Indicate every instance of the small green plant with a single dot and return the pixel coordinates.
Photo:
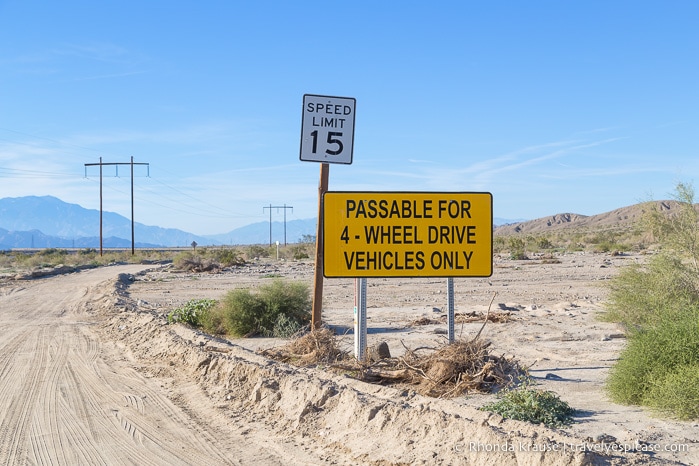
(537, 406)
(255, 250)
(192, 313)
(286, 327)
(544, 243)
(227, 257)
(301, 251)
(517, 247)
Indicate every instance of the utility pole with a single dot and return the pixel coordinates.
(270, 207)
(116, 164)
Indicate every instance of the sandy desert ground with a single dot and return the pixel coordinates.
(91, 373)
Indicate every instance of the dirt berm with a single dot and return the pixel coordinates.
(349, 421)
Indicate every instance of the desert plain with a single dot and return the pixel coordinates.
(92, 373)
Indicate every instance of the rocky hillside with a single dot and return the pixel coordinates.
(620, 218)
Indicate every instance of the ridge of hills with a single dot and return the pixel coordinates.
(623, 217)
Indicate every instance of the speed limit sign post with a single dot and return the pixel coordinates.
(327, 136)
(327, 129)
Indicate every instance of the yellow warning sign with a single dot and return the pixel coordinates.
(401, 234)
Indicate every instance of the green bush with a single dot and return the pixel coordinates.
(286, 327)
(531, 405)
(652, 355)
(206, 259)
(227, 257)
(659, 303)
(192, 313)
(256, 250)
(246, 313)
(677, 393)
(644, 295)
(301, 251)
(517, 247)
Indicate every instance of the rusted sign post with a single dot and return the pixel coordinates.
(316, 315)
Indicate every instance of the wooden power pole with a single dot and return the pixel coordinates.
(131, 163)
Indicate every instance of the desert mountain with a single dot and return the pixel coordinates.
(624, 217)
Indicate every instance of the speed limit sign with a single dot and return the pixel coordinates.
(327, 129)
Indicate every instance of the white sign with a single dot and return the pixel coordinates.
(327, 129)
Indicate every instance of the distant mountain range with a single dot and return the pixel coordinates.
(46, 221)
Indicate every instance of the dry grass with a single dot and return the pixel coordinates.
(312, 348)
(450, 371)
(467, 317)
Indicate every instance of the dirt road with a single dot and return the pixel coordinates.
(68, 398)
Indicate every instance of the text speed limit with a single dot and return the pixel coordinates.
(327, 129)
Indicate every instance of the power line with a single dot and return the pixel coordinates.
(18, 172)
(270, 219)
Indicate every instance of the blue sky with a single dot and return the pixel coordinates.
(551, 106)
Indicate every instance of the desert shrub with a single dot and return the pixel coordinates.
(302, 251)
(255, 250)
(52, 252)
(677, 232)
(227, 257)
(544, 243)
(677, 393)
(659, 302)
(643, 295)
(499, 244)
(212, 321)
(248, 313)
(187, 260)
(531, 405)
(193, 312)
(652, 355)
(286, 327)
(199, 261)
(517, 247)
(308, 239)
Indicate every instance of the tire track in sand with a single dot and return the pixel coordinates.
(64, 398)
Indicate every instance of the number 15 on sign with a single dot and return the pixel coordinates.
(327, 129)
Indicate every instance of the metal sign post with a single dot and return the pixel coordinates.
(450, 309)
(360, 328)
